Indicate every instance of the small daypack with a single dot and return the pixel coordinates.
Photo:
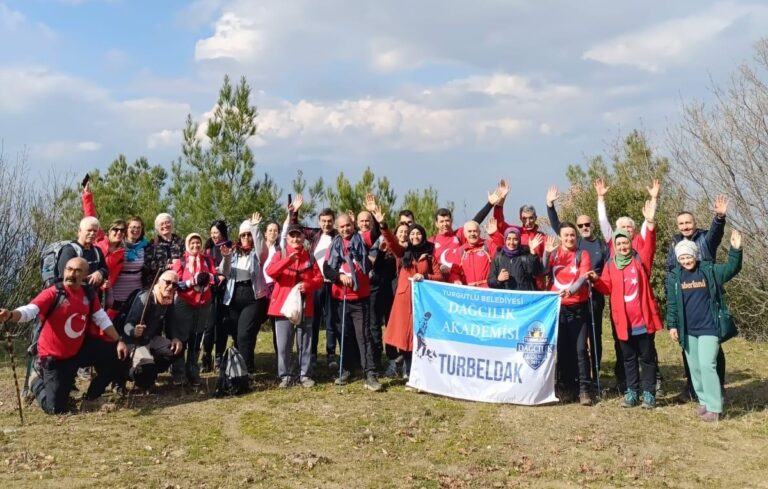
(233, 375)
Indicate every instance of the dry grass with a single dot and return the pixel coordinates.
(330, 437)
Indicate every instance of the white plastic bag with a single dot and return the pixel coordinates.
(293, 307)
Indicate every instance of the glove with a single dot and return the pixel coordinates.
(202, 278)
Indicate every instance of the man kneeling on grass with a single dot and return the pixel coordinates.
(149, 317)
(66, 310)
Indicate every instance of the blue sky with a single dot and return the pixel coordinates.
(447, 93)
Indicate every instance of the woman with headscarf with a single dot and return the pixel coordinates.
(415, 261)
(246, 292)
(634, 313)
(698, 318)
(515, 266)
(163, 249)
(197, 274)
(216, 332)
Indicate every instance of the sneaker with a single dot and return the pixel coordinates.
(649, 400)
(195, 381)
(84, 374)
(342, 380)
(333, 364)
(391, 370)
(372, 383)
(307, 382)
(178, 380)
(585, 399)
(701, 410)
(710, 417)
(285, 382)
(630, 399)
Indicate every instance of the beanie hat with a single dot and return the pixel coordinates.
(245, 227)
(686, 247)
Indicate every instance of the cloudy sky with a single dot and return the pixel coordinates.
(448, 93)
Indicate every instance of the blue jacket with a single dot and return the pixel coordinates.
(707, 241)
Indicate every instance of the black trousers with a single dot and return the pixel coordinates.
(640, 363)
(356, 316)
(52, 389)
(247, 313)
(381, 300)
(219, 329)
(321, 318)
(598, 306)
(572, 358)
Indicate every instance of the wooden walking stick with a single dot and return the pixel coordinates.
(9, 345)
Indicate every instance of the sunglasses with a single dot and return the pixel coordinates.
(171, 283)
(118, 230)
(584, 225)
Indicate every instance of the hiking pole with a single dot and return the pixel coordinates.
(341, 381)
(594, 343)
(9, 345)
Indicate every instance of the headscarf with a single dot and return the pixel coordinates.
(413, 252)
(686, 247)
(517, 251)
(193, 262)
(622, 260)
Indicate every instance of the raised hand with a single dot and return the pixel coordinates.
(351, 214)
(87, 187)
(552, 195)
(601, 188)
(550, 244)
(649, 211)
(653, 190)
(370, 202)
(378, 215)
(502, 189)
(735, 240)
(295, 205)
(491, 226)
(721, 205)
(493, 198)
(535, 242)
(255, 219)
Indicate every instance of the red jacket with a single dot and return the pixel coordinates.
(525, 234)
(195, 296)
(288, 272)
(114, 258)
(611, 283)
(474, 262)
(445, 252)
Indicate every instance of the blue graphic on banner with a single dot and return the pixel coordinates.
(484, 344)
(484, 317)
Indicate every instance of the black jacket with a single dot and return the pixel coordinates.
(522, 271)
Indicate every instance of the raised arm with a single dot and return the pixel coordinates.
(554, 221)
(717, 228)
(602, 215)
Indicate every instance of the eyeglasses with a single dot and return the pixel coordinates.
(584, 225)
(118, 230)
(134, 228)
(170, 283)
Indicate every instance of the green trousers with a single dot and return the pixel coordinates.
(701, 353)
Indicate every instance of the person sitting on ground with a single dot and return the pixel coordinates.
(65, 311)
(147, 330)
(626, 279)
(698, 317)
(515, 267)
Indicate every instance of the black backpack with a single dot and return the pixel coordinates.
(233, 375)
(122, 314)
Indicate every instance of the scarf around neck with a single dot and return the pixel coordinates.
(622, 261)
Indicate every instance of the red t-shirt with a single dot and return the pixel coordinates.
(565, 273)
(632, 297)
(63, 333)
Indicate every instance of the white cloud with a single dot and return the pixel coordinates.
(10, 19)
(654, 48)
(235, 37)
(58, 151)
(166, 137)
(26, 86)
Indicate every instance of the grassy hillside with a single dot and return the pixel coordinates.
(330, 437)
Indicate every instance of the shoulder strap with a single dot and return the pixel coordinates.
(60, 294)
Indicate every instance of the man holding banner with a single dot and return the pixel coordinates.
(484, 344)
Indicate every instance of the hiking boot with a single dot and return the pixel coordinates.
(195, 380)
(391, 370)
(206, 363)
(178, 380)
(342, 380)
(306, 382)
(372, 383)
(649, 400)
(630, 399)
(710, 417)
(84, 373)
(686, 395)
(585, 399)
(333, 364)
(285, 382)
(701, 410)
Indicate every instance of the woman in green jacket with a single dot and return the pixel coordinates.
(699, 319)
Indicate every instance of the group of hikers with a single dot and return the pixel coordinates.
(133, 307)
